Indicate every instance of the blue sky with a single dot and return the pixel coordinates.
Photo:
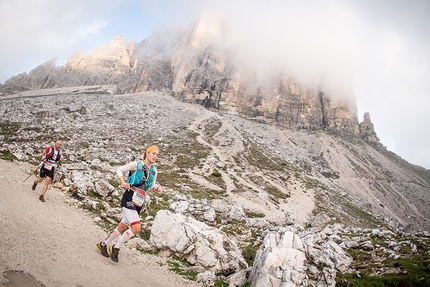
(378, 51)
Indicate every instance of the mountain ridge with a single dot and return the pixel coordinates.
(198, 67)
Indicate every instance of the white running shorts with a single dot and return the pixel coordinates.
(129, 216)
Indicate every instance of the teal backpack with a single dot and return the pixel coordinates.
(136, 178)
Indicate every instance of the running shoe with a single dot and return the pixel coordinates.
(103, 249)
(114, 253)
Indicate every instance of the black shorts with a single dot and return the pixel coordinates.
(44, 172)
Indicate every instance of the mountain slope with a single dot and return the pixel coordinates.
(267, 169)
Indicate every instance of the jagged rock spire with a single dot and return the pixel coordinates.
(367, 131)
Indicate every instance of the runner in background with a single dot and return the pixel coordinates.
(51, 158)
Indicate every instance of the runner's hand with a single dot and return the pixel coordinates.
(157, 188)
(126, 186)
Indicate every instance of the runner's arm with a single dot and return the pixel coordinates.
(120, 171)
(44, 153)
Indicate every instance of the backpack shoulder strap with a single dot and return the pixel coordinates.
(139, 165)
(152, 169)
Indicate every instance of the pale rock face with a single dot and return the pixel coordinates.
(207, 30)
(116, 56)
(367, 130)
(280, 261)
(207, 74)
(196, 242)
(200, 65)
(74, 60)
(284, 259)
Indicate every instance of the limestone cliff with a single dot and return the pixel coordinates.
(198, 65)
(367, 131)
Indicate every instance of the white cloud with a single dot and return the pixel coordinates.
(392, 84)
(33, 32)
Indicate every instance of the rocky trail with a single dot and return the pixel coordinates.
(54, 244)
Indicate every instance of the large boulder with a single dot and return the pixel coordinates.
(186, 238)
(280, 261)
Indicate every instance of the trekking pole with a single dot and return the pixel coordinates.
(39, 166)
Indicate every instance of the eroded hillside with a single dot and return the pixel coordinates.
(268, 170)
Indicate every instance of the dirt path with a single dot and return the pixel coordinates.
(55, 243)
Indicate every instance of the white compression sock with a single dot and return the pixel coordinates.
(124, 237)
(111, 237)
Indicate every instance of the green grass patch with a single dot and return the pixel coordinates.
(263, 160)
(9, 131)
(386, 280)
(157, 205)
(216, 173)
(275, 192)
(187, 151)
(6, 155)
(249, 253)
(114, 182)
(216, 179)
(311, 183)
(145, 234)
(411, 269)
(251, 214)
(181, 268)
(220, 283)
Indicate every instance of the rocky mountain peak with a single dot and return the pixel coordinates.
(205, 32)
(367, 131)
(118, 41)
(199, 65)
(210, 29)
